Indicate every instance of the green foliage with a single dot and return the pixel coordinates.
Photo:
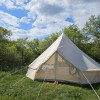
(73, 32)
(33, 47)
(44, 44)
(4, 33)
(92, 27)
(76, 36)
(4, 44)
(93, 50)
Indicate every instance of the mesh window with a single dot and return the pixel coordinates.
(47, 68)
(64, 71)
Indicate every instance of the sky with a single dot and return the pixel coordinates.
(40, 18)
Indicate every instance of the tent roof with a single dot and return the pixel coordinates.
(70, 52)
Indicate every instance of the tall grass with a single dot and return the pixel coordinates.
(27, 89)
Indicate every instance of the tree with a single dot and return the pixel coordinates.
(4, 34)
(76, 36)
(73, 32)
(44, 44)
(92, 27)
(33, 47)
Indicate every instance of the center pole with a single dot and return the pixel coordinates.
(55, 65)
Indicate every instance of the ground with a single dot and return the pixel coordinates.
(19, 87)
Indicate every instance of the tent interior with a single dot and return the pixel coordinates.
(56, 68)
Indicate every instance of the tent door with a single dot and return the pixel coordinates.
(65, 71)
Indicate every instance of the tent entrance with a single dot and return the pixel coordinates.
(58, 69)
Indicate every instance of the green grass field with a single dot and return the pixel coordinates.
(13, 89)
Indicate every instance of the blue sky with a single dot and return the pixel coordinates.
(40, 18)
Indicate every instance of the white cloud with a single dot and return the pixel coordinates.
(9, 19)
(17, 33)
(35, 32)
(21, 2)
(49, 10)
(46, 8)
(31, 34)
(25, 20)
(8, 3)
(84, 10)
(13, 4)
(50, 13)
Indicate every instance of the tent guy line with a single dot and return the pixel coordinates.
(18, 81)
(42, 85)
(14, 72)
(91, 86)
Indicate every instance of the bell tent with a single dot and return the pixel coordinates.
(64, 61)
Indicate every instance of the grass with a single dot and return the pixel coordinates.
(27, 89)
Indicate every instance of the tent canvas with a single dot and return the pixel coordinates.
(64, 61)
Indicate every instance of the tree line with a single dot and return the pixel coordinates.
(15, 54)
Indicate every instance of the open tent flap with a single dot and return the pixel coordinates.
(58, 68)
(47, 66)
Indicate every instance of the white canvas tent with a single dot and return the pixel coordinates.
(64, 61)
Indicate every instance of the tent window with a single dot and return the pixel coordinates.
(64, 70)
(47, 67)
(61, 62)
(66, 67)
